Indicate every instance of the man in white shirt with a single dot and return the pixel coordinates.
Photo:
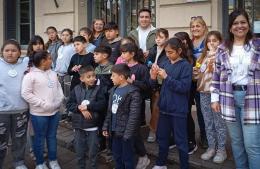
(144, 34)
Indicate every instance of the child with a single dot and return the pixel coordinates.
(88, 35)
(214, 124)
(139, 77)
(87, 102)
(42, 90)
(156, 56)
(53, 44)
(78, 60)
(176, 75)
(123, 117)
(13, 108)
(125, 40)
(112, 40)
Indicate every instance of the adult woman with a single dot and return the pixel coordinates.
(199, 30)
(98, 31)
(235, 90)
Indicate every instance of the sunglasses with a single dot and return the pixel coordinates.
(195, 17)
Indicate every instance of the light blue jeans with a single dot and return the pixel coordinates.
(245, 138)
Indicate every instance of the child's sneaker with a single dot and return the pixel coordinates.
(192, 147)
(54, 164)
(208, 154)
(21, 167)
(151, 138)
(220, 157)
(42, 166)
(159, 167)
(143, 162)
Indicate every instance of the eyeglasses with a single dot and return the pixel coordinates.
(195, 17)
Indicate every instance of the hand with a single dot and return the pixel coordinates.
(129, 80)
(87, 114)
(76, 68)
(162, 73)
(105, 133)
(215, 107)
(146, 54)
(82, 107)
(154, 71)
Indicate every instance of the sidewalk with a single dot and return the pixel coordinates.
(65, 135)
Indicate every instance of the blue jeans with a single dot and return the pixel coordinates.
(178, 126)
(86, 140)
(123, 153)
(45, 127)
(14, 125)
(245, 138)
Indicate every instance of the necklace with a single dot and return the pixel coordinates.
(12, 72)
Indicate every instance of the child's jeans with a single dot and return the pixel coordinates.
(86, 141)
(14, 125)
(123, 153)
(177, 125)
(45, 127)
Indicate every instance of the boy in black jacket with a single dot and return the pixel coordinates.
(87, 101)
(123, 117)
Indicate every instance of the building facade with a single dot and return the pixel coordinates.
(20, 19)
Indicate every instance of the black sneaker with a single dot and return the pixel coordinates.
(192, 147)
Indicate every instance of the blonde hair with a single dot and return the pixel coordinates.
(201, 21)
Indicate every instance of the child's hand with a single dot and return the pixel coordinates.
(75, 68)
(105, 133)
(162, 73)
(87, 114)
(129, 80)
(82, 107)
(154, 71)
(146, 53)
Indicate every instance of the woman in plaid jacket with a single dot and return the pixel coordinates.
(235, 90)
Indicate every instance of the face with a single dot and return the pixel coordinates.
(160, 39)
(127, 56)
(65, 37)
(213, 42)
(240, 27)
(99, 57)
(144, 20)
(80, 47)
(197, 29)
(88, 78)
(116, 78)
(85, 35)
(47, 62)
(171, 53)
(11, 53)
(37, 47)
(111, 34)
(52, 34)
(98, 26)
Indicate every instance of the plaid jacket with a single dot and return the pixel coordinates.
(222, 86)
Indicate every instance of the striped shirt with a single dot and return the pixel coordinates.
(222, 86)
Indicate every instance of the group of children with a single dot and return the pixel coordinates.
(111, 79)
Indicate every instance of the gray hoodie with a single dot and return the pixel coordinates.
(11, 101)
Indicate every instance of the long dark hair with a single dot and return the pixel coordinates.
(175, 44)
(70, 32)
(49, 41)
(232, 17)
(132, 47)
(188, 45)
(39, 56)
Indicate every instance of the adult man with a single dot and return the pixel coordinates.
(144, 34)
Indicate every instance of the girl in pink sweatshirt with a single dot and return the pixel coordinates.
(42, 90)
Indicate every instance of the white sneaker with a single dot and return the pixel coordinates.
(42, 166)
(220, 157)
(208, 154)
(54, 164)
(21, 167)
(143, 162)
(151, 137)
(159, 167)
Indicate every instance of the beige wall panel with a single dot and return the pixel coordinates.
(64, 6)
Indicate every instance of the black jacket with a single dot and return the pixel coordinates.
(152, 55)
(96, 107)
(128, 114)
(115, 46)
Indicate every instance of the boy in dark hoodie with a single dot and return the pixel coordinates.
(123, 117)
(87, 101)
(113, 40)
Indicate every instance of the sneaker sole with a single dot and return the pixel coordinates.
(195, 149)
